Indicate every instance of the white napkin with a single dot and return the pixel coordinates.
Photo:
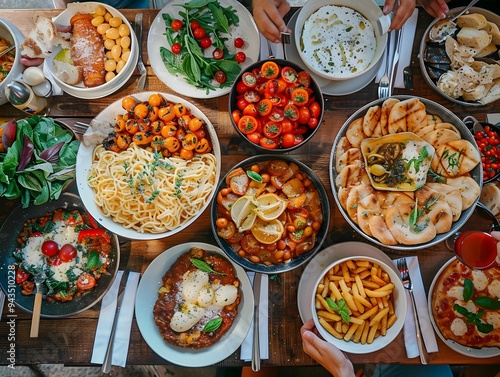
(276, 49)
(56, 89)
(410, 333)
(246, 347)
(106, 317)
(493, 118)
(407, 37)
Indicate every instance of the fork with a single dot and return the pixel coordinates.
(405, 276)
(141, 84)
(285, 40)
(383, 85)
(37, 306)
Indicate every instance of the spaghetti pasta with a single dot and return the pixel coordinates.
(144, 191)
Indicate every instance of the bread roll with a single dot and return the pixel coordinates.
(87, 50)
(492, 29)
(473, 20)
(488, 50)
(490, 197)
(42, 39)
(473, 38)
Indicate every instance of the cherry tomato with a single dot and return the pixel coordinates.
(249, 79)
(270, 70)
(54, 261)
(250, 244)
(67, 253)
(291, 112)
(254, 137)
(220, 77)
(218, 54)
(304, 78)
(227, 231)
(240, 57)
(241, 103)
(236, 115)
(176, 48)
(287, 125)
(50, 248)
(176, 25)
(241, 87)
(199, 33)
(313, 122)
(304, 115)
(272, 129)
(250, 110)
(205, 42)
(315, 109)
(252, 95)
(264, 107)
(298, 138)
(268, 143)
(287, 140)
(277, 114)
(289, 74)
(21, 275)
(194, 25)
(299, 96)
(238, 43)
(247, 124)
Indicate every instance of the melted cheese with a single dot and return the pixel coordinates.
(493, 318)
(458, 327)
(479, 279)
(469, 305)
(456, 292)
(338, 41)
(494, 288)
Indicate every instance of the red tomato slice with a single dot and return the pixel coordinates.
(268, 143)
(272, 129)
(247, 124)
(291, 112)
(289, 74)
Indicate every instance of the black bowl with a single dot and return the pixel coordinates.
(294, 262)
(469, 122)
(233, 96)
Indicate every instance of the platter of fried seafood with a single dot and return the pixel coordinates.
(405, 172)
(462, 63)
(143, 175)
(180, 307)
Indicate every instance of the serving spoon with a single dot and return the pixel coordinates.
(446, 27)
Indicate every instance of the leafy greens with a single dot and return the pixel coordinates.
(40, 163)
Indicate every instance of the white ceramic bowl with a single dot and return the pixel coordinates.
(119, 80)
(368, 8)
(14, 36)
(380, 341)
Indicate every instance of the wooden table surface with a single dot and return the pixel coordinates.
(70, 340)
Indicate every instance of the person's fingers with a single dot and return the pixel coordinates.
(388, 6)
(266, 26)
(403, 12)
(435, 8)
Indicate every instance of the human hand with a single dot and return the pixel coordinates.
(329, 356)
(268, 15)
(496, 235)
(403, 11)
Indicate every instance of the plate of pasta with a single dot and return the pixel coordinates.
(143, 181)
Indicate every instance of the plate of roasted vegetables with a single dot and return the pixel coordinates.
(198, 48)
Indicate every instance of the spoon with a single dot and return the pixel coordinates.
(444, 28)
(8, 50)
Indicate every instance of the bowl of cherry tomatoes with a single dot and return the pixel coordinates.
(276, 105)
(487, 137)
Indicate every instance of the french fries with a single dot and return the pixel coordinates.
(355, 301)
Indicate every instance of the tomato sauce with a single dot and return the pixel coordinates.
(476, 249)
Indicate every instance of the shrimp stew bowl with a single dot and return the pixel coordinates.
(270, 214)
(276, 105)
(405, 172)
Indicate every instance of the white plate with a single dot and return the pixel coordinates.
(156, 38)
(147, 294)
(325, 257)
(482, 353)
(105, 89)
(84, 162)
(329, 87)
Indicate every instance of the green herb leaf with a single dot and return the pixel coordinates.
(460, 310)
(201, 265)
(254, 176)
(413, 215)
(487, 303)
(213, 325)
(340, 307)
(93, 260)
(468, 289)
(484, 327)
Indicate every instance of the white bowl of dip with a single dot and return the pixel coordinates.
(339, 39)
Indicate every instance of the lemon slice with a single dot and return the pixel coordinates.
(242, 213)
(270, 206)
(267, 232)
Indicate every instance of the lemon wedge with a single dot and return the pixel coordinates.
(270, 206)
(267, 232)
(242, 212)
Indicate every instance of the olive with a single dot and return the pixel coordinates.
(375, 158)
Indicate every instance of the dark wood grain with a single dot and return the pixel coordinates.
(69, 341)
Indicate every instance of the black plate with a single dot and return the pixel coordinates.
(295, 262)
(9, 232)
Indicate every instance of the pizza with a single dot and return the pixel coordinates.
(198, 300)
(466, 307)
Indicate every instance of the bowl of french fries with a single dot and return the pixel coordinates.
(359, 304)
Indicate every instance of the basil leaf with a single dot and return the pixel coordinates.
(487, 303)
(460, 310)
(413, 216)
(468, 289)
(254, 176)
(93, 260)
(213, 325)
(201, 265)
(345, 317)
(332, 304)
(484, 327)
(340, 307)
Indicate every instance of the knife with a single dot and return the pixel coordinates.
(141, 84)
(257, 282)
(395, 60)
(106, 365)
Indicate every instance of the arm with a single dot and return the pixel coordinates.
(436, 8)
(329, 356)
(268, 15)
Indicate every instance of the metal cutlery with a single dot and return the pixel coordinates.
(395, 60)
(106, 365)
(141, 84)
(383, 85)
(37, 306)
(285, 40)
(408, 77)
(405, 276)
(9, 49)
(257, 282)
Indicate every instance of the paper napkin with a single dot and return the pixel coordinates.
(123, 327)
(407, 37)
(410, 333)
(493, 118)
(246, 347)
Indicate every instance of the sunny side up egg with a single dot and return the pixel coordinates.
(200, 301)
(338, 41)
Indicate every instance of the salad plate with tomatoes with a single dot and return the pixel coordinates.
(198, 48)
(276, 105)
(78, 257)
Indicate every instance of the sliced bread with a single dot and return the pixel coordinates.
(493, 30)
(474, 38)
(473, 20)
(42, 39)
